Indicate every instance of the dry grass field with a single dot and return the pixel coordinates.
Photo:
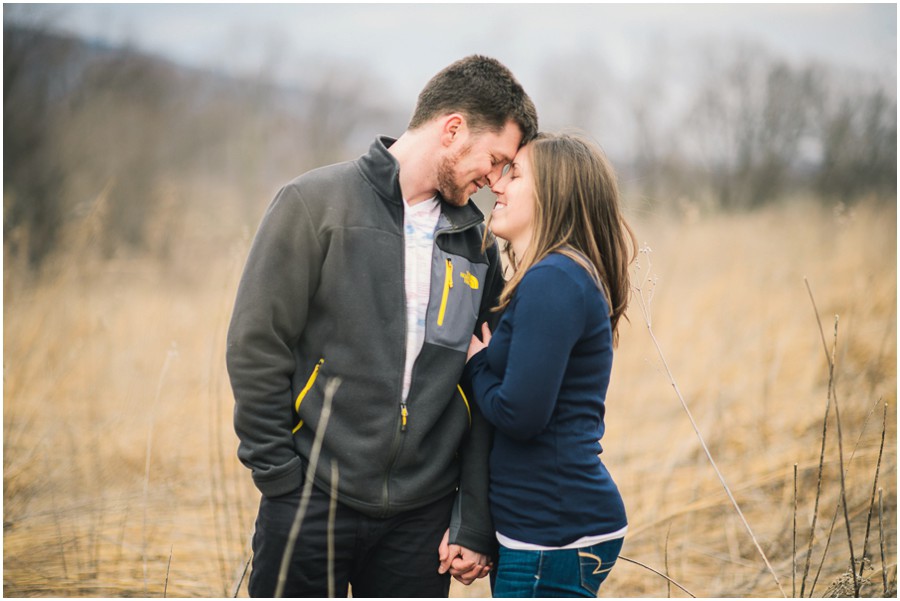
(119, 468)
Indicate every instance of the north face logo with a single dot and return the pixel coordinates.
(470, 280)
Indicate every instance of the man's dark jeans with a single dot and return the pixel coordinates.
(390, 557)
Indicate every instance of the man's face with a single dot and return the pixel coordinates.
(476, 160)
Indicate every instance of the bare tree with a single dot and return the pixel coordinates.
(33, 173)
(859, 145)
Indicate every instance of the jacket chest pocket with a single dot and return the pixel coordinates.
(457, 286)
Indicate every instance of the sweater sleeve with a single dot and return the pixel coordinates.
(270, 312)
(548, 318)
(470, 523)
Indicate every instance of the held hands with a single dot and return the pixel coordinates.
(476, 345)
(463, 564)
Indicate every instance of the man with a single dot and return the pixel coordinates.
(372, 271)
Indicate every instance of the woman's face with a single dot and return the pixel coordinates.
(513, 216)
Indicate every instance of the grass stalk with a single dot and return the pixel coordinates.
(840, 437)
(240, 580)
(330, 390)
(884, 578)
(218, 495)
(837, 507)
(658, 573)
(332, 514)
(815, 516)
(837, 414)
(168, 567)
(874, 490)
(59, 534)
(644, 304)
(159, 386)
(794, 541)
(668, 583)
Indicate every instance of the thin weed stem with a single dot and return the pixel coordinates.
(170, 356)
(794, 541)
(332, 514)
(837, 415)
(59, 534)
(837, 508)
(815, 517)
(658, 573)
(330, 390)
(874, 490)
(168, 567)
(884, 578)
(240, 581)
(668, 582)
(644, 298)
(837, 412)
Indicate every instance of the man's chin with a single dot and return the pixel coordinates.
(458, 201)
(457, 198)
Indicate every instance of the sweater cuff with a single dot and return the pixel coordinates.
(472, 364)
(480, 542)
(286, 481)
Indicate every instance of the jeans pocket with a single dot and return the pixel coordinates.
(595, 564)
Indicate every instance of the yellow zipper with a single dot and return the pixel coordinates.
(309, 384)
(448, 284)
(466, 401)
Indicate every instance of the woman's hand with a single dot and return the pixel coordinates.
(463, 564)
(476, 345)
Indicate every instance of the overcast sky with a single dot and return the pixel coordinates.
(404, 44)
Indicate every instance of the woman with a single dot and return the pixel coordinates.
(541, 378)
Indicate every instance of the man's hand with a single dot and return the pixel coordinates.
(463, 564)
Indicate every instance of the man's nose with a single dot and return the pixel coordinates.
(494, 176)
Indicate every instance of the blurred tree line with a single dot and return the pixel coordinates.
(92, 130)
(110, 132)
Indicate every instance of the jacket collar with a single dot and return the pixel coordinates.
(382, 171)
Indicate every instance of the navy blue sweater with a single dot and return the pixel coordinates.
(542, 383)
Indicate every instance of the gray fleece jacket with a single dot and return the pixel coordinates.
(322, 296)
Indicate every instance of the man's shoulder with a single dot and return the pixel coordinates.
(327, 175)
(324, 185)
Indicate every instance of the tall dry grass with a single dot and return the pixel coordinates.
(120, 476)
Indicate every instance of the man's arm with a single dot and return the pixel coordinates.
(471, 528)
(269, 314)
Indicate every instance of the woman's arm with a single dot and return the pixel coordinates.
(549, 317)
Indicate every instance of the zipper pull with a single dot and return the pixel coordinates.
(403, 415)
(449, 276)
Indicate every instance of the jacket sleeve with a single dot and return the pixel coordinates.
(470, 523)
(270, 312)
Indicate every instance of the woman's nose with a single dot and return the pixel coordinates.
(499, 185)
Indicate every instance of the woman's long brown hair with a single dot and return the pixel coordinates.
(577, 214)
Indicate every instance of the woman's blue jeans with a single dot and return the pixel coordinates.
(557, 573)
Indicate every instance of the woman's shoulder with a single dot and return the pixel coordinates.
(556, 274)
(557, 265)
(565, 277)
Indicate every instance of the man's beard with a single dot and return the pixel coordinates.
(446, 179)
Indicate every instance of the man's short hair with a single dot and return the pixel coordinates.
(483, 90)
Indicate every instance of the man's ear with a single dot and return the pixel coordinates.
(452, 126)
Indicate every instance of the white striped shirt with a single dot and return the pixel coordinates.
(419, 223)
